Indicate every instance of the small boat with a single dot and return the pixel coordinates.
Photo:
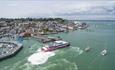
(104, 52)
(87, 49)
(56, 45)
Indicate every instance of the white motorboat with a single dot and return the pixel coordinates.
(104, 52)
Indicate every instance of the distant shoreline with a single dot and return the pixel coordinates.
(92, 20)
(61, 18)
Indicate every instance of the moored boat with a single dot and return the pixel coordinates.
(87, 49)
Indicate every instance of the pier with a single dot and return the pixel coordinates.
(45, 39)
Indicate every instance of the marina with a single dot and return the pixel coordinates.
(9, 46)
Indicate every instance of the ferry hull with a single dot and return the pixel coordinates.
(52, 48)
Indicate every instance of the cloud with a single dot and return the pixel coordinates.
(60, 8)
(95, 10)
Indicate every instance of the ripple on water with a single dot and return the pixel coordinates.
(61, 64)
(77, 50)
(70, 50)
(14, 66)
(31, 49)
(27, 66)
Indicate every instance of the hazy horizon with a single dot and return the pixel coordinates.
(71, 9)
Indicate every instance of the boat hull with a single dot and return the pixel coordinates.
(52, 48)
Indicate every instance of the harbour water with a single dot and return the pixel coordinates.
(98, 36)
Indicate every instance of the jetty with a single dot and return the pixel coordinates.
(45, 39)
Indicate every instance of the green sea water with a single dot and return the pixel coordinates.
(99, 35)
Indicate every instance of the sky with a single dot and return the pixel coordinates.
(68, 9)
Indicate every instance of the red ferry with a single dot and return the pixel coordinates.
(56, 45)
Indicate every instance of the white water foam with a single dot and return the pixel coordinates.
(40, 57)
